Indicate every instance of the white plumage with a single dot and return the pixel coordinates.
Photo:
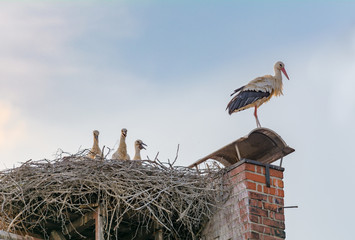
(121, 152)
(95, 151)
(138, 146)
(258, 91)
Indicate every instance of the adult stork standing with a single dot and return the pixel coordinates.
(257, 92)
(95, 150)
(121, 152)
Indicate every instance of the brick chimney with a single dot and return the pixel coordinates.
(254, 209)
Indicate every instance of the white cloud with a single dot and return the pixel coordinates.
(12, 127)
(50, 79)
(41, 42)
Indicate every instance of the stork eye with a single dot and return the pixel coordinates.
(280, 65)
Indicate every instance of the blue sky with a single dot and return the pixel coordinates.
(164, 71)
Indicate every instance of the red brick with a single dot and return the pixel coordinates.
(269, 190)
(257, 196)
(260, 169)
(274, 191)
(259, 188)
(242, 168)
(250, 185)
(281, 210)
(258, 211)
(255, 177)
(279, 193)
(255, 203)
(276, 173)
(273, 223)
(236, 171)
(257, 228)
(267, 237)
(270, 206)
(268, 230)
(280, 183)
(279, 217)
(251, 235)
(254, 218)
(279, 201)
(249, 167)
(273, 182)
(277, 182)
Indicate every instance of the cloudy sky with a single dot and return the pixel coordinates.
(164, 70)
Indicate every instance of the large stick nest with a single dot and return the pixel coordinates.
(41, 196)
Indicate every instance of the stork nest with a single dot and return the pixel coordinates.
(46, 195)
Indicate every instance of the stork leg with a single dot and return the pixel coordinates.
(256, 117)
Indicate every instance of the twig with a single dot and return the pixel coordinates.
(53, 191)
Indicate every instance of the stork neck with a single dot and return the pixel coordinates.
(137, 155)
(122, 142)
(96, 141)
(278, 82)
(278, 75)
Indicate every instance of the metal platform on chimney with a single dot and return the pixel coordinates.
(261, 144)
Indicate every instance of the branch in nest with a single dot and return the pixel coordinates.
(42, 192)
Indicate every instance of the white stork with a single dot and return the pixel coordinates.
(95, 150)
(138, 145)
(121, 152)
(257, 92)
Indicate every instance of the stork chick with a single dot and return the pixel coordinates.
(257, 92)
(138, 146)
(95, 150)
(121, 152)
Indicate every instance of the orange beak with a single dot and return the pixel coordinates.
(285, 73)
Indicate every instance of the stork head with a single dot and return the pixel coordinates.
(124, 132)
(281, 66)
(140, 144)
(96, 134)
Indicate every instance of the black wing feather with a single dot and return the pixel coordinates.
(237, 90)
(245, 98)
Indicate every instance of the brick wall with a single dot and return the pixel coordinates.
(253, 211)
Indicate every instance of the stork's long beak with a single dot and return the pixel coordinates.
(142, 145)
(285, 73)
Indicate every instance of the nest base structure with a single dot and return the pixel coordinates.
(75, 197)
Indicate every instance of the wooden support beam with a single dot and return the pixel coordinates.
(99, 224)
(56, 236)
(81, 223)
(158, 231)
(11, 236)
